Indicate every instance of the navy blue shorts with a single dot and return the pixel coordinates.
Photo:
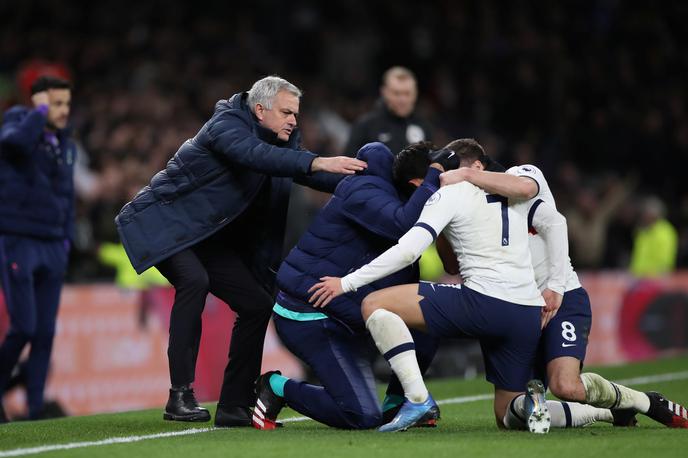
(567, 333)
(508, 333)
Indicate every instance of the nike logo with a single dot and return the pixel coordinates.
(451, 155)
(568, 345)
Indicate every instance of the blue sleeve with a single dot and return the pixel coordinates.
(232, 136)
(22, 129)
(384, 214)
(320, 181)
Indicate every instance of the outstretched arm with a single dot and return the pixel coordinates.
(435, 216)
(232, 137)
(504, 184)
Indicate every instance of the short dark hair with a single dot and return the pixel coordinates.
(468, 151)
(397, 72)
(411, 162)
(43, 83)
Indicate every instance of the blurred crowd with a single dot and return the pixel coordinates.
(592, 92)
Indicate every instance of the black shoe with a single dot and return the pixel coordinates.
(182, 406)
(624, 417)
(667, 412)
(232, 416)
(268, 404)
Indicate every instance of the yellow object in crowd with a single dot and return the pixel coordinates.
(113, 254)
(654, 250)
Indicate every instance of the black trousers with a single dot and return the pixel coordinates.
(213, 266)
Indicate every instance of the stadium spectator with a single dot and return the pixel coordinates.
(656, 242)
(213, 221)
(37, 159)
(393, 120)
(589, 221)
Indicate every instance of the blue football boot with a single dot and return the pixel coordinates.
(411, 414)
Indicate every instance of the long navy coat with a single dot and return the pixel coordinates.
(211, 180)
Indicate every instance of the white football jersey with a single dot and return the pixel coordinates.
(538, 247)
(490, 241)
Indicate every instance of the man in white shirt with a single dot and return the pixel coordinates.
(490, 241)
(568, 316)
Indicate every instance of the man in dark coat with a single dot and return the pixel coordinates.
(36, 228)
(213, 221)
(393, 120)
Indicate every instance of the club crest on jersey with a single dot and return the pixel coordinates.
(433, 199)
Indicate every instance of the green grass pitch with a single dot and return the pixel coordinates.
(467, 429)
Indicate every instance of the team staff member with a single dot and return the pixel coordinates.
(213, 221)
(36, 228)
(392, 121)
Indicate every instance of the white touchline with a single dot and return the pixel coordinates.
(672, 376)
(112, 440)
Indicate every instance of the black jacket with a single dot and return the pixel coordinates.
(212, 180)
(380, 125)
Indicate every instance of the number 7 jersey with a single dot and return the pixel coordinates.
(490, 241)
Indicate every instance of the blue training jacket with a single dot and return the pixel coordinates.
(36, 177)
(365, 216)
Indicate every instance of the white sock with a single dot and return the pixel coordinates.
(564, 414)
(394, 341)
(600, 392)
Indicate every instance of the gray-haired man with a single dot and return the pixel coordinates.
(213, 222)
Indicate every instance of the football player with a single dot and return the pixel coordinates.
(568, 317)
(490, 240)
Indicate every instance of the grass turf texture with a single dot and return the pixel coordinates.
(466, 429)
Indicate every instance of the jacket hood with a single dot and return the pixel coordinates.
(379, 158)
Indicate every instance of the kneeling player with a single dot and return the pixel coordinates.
(565, 338)
(366, 215)
(499, 302)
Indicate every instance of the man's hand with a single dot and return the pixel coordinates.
(454, 176)
(447, 158)
(40, 98)
(325, 291)
(339, 164)
(552, 304)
